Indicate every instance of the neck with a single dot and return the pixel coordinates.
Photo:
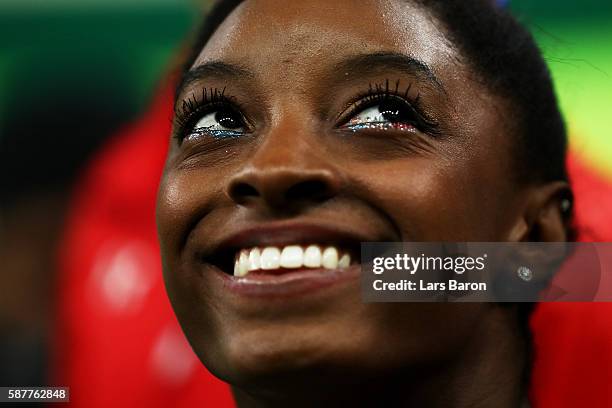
(487, 372)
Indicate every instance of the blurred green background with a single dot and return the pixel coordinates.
(129, 44)
(126, 44)
(576, 39)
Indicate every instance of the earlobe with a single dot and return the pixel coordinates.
(545, 215)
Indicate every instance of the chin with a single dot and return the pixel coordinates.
(280, 353)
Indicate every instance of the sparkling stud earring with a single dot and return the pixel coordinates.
(566, 204)
(524, 273)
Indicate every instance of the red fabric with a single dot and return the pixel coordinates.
(574, 340)
(118, 342)
(119, 345)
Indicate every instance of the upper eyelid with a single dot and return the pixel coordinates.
(359, 103)
(377, 94)
(194, 105)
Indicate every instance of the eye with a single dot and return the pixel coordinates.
(387, 113)
(224, 122)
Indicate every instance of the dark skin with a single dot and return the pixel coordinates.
(446, 176)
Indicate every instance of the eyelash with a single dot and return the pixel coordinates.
(193, 108)
(379, 93)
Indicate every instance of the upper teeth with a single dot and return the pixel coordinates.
(289, 257)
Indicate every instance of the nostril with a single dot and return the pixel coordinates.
(241, 191)
(281, 188)
(313, 190)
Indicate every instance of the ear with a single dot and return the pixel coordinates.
(545, 214)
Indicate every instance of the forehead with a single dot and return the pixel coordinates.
(291, 37)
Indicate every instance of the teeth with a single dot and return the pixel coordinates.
(292, 257)
(289, 257)
(344, 261)
(254, 259)
(270, 258)
(329, 260)
(312, 257)
(241, 268)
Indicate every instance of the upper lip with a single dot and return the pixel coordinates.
(222, 252)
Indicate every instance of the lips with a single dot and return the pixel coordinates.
(286, 254)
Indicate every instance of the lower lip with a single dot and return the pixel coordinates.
(291, 283)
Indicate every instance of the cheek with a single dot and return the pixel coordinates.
(184, 197)
(431, 200)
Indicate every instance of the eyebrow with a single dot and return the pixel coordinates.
(217, 69)
(366, 63)
(363, 63)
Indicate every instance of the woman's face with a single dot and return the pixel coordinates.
(326, 123)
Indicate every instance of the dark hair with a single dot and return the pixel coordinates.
(219, 12)
(507, 60)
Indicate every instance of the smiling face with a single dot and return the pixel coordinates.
(323, 124)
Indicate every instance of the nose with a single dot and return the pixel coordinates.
(287, 179)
